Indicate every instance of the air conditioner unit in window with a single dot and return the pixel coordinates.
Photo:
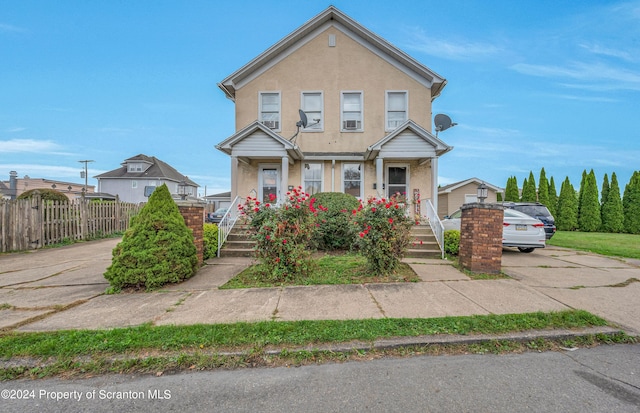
(271, 124)
(350, 124)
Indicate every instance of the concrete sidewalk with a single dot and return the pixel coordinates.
(63, 288)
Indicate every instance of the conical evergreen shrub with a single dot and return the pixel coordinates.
(156, 250)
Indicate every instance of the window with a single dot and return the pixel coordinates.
(312, 106)
(351, 111)
(134, 167)
(312, 178)
(270, 109)
(397, 105)
(352, 179)
(134, 184)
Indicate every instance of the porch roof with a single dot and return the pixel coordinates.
(408, 141)
(257, 141)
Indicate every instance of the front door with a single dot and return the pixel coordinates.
(269, 183)
(398, 181)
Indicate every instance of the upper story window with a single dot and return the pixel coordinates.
(270, 109)
(312, 105)
(134, 167)
(351, 103)
(397, 109)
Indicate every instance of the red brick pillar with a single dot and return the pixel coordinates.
(193, 214)
(481, 237)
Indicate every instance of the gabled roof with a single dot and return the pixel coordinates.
(424, 138)
(452, 187)
(227, 145)
(332, 17)
(157, 170)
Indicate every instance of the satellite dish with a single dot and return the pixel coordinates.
(303, 119)
(442, 122)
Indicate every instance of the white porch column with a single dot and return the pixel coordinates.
(379, 176)
(234, 177)
(434, 183)
(284, 180)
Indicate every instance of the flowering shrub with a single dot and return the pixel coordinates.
(383, 235)
(334, 230)
(283, 233)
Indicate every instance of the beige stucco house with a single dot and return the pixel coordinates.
(451, 197)
(368, 110)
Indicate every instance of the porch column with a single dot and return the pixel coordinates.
(434, 183)
(284, 180)
(234, 177)
(379, 176)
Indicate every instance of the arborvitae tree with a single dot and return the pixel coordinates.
(582, 184)
(511, 193)
(612, 211)
(157, 249)
(605, 189)
(543, 189)
(529, 189)
(567, 213)
(589, 219)
(631, 204)
(553, 198)
(498, 196)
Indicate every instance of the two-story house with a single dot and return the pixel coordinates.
(368, 111)
(138, 177)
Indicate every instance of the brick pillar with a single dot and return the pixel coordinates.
(193, 214)
(481, 238)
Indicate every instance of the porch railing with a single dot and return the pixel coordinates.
(435, 224)
(228, 221)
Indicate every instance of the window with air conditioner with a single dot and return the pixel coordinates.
(351, 103)
(397, 104)
(312, 104)
(270, 109)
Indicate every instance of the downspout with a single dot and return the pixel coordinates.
(333, 175)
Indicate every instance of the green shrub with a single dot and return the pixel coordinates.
(157, 249)
(384, 234)
(334, 229)
(45, 194)
(210, 236)
(452, 241)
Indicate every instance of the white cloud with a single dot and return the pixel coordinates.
(28, 145)
(15, 129)
(605, 51)
(449, 49)
(8, 28)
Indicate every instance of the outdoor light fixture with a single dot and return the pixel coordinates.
(482, 192)
(182, 190)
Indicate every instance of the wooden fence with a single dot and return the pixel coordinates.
(33, 223)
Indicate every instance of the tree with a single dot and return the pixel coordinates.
(511, 193)
(567, 213)
(529, 189)
(543, 189)
(157, 249)
(612, 211)
(604, 193)
(553, 198)
(589, 219)
(582, 184)
(631, 204)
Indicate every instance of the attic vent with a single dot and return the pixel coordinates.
(332, 40)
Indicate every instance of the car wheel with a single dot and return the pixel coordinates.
(526, 249)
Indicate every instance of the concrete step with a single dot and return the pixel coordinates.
(423, 253)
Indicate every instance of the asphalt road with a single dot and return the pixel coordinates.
(602, 379)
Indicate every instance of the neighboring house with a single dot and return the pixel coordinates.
(368, 106)
(15, 186)
(221, 200)
(453, 196)
(138, 176)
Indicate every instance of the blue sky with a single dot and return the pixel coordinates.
(553, 84)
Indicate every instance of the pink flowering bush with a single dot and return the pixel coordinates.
(384, 233)
(283, 233)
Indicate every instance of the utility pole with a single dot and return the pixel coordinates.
(85, 174)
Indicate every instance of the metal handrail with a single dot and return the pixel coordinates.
(435, 224)
(228, 221)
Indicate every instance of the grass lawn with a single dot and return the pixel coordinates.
(618, 245)
(328, 269)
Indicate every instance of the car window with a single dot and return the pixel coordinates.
(456, 215)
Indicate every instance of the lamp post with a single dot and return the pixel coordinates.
(482, 192)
